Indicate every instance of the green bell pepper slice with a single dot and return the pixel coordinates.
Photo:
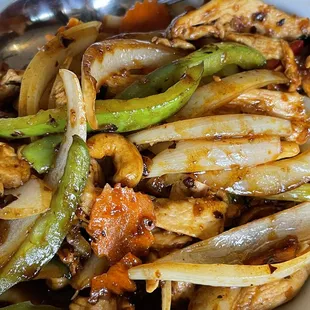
(50, 229)
(113, 115)
(214, 57)
(41, 153)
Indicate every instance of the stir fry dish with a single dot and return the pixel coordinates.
(159, 161)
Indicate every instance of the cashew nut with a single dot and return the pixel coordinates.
(127, 159)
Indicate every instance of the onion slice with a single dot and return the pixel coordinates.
(215, 94)
(264, 180)
(236, 245)
(33, 198)
(216, 261)
(45, 64)
(166, 295)
(13, 234)
(210, 127)
(202, 155)
(219, 274)
(76, 124)
(299, 194)
(104, 60)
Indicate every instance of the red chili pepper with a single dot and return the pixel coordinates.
(297, 46)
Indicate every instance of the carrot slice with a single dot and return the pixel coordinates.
(116, 280)
(146, 16)
(121, 222)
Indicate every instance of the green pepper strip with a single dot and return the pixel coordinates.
(214, 56)
(112, 115)
(41, 153)
(50, 229)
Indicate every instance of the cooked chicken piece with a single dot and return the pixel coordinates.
(13, 171)
(188, 187)
(168, 241)
(81, 303)
(181, 291)
(263, 297)
(175, 43)
(10, 85)
(218, 17)
(120, 81)
(197, 217)
(291, 69)
(271, 48)
(274, 103)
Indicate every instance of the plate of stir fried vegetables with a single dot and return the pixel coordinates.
(159, 160)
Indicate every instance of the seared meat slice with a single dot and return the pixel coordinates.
(262, 297)
(175, 43)
(13, 171)
(218, 17)
(10, 85)
(291, 69)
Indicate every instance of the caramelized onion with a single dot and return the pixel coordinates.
(45, 64)
(105, 60)
(215, 94)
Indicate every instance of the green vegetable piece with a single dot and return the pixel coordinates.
(299, 194)
(113, 115)
(41, 153)
(54, 269)
(214, 57)
(50, 229)
(27, 305)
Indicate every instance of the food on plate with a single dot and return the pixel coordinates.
(159, 160)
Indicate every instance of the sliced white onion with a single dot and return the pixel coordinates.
(264, 180)
(219, 274)
(275, 103)
(13, 233)
(203, 155)
(299, 194)
(216, 261)
(33, 198)
(226, 126)
(45, 64)
(237, 244)
(104, 60)
(215, 94)
(76, 124)
(166, 295)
